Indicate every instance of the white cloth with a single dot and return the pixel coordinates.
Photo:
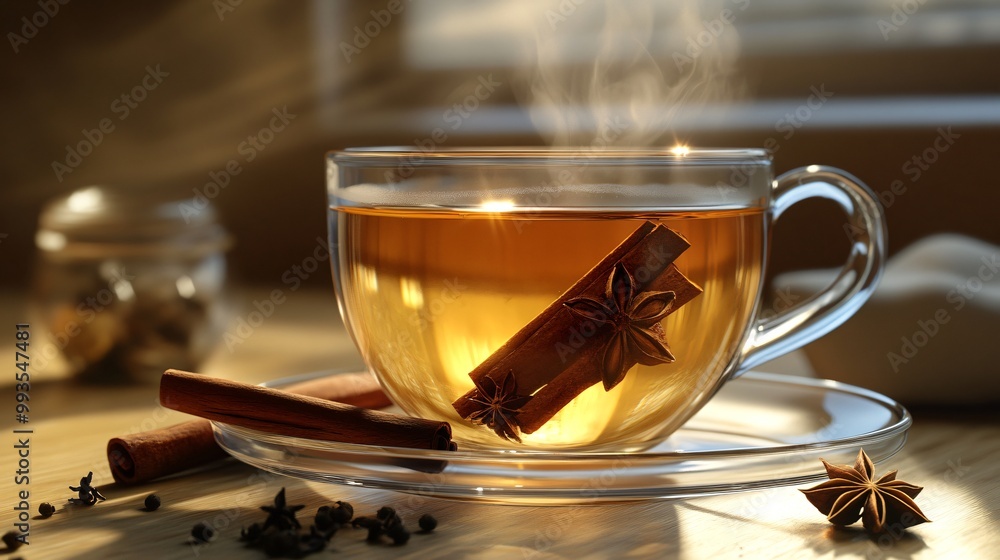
(930, 334)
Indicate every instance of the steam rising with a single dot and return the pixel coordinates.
(617, 73)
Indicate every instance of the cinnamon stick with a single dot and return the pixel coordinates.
(585, 371)
(557, 354)
(273, 411)
(137, 458)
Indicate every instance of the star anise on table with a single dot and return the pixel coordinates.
(281, 515)
(854, 493)
(498, 405)
(635, 318)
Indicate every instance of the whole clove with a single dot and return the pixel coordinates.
(86, 494)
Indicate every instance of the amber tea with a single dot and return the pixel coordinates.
(431, 294)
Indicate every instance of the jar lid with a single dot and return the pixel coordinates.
(100, 221)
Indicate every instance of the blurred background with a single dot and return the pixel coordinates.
(902, 93)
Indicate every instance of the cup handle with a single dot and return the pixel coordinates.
(828, 309)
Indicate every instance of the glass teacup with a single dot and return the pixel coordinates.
(442, 257)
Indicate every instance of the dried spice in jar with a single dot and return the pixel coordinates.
(130, 281)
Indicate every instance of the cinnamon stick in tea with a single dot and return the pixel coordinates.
(558, 354)
(584, 371)
(277, 412)
(137, 458)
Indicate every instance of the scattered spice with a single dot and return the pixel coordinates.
(388, 523)
(398, 534)
(46, 510)
(374, 526)
(251, 533)
(281, 534)
(203, 533)
(316, 540)
(282, 542)
(323, 520)
(152, 502)
(385, 513)
(427, 523)
(343, 513)
(281, 515)
(635, 319)
(854, 493)
(87, 495)
(12, 540)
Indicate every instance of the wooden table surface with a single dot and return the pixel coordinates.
(953, 454)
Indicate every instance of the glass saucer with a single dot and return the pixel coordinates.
(760, 431)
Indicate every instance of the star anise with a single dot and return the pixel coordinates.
(853, 493)
(281, 515)
(638, 335)
(499, 403)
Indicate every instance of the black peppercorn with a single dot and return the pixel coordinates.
(12, 540)
(324, 520)
(427, 523)
(202, 532)
(374, 526)
(252, 533)
(315, 533)
(343, 513)
(388, 516)
(398, 534)
(315, 541)
(281, 543)
(46, 509)
(152, 502)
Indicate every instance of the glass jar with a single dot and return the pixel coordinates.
(129, 282)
